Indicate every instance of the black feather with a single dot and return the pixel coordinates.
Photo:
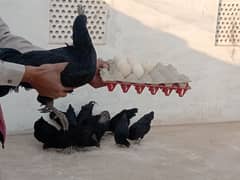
(49, 135)
(121, 131)
(130, 113)
(55, 118)
(140, 128)
(85, 112)
(53, 138)
(102, 124)
(71, 116)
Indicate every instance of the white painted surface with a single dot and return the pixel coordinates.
(179, 32)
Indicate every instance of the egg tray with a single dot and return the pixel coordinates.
(167, 89)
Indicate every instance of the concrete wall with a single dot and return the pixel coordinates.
(179, 32)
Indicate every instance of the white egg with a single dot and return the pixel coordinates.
(148, 67)
(124, 67)
(132, 61)
(146, 78)
(132, 78)
(138, 70)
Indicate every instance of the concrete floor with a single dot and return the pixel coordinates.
(199, 152)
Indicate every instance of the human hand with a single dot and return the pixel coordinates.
(46, 80)
(102, 64)
(97, 81)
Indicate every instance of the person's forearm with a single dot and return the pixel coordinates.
(8, 40)
(11, 74)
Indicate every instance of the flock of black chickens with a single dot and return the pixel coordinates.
(86, 129)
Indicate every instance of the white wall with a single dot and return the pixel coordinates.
(179, 32)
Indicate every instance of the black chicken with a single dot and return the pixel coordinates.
(80, 70)
(140, 128)
(119, 126)
(71, 116)
(121, 131)
(85, 112)
(130, 114)
(99, 122)
(87, 133)
(51, 137)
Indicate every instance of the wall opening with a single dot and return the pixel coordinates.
(63, 12)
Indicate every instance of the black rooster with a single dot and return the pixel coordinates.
(80, 70)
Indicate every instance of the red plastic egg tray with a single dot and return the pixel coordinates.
(167, 89)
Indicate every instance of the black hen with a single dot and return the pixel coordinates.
(85, 112)
(130, 113)
(70, 115)
(85, 133)
(119, 125)
(51, 137)
(101, 124)
(140, 128)
(121, 131)
(82, 137)
(81, 57)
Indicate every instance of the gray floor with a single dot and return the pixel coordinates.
(200, 152)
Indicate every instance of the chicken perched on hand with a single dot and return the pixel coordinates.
(81, 67)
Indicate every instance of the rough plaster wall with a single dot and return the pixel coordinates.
(179, 32)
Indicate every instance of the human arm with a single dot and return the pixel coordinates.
(9, 40)
(45, 79)
(11, 74)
